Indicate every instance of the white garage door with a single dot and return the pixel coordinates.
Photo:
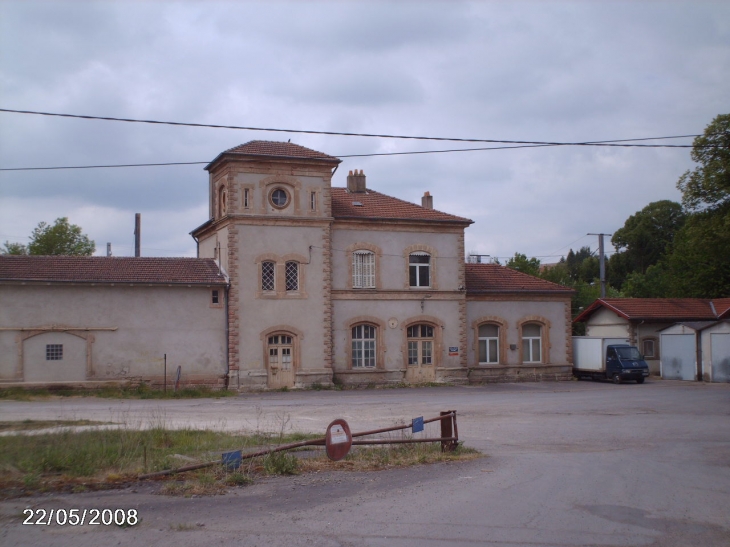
(678, 357)
(720, 357)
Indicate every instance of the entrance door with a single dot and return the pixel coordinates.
(421, 359)
(280, 365)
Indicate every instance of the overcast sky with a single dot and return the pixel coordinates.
(536, 71)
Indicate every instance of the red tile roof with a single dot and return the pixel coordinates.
(98, 269)
(658, 309)
(374, 205)
(722, 307)
(493, 278)
(274, 149)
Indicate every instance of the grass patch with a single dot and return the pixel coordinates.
(140, 391)
(30, 425)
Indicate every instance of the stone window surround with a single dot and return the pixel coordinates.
(499, 323)
(438, 335)
(544, 339)
(221, 296)
(286, 330)
(378, 259)
(379, 342)
(433, 270)
(280, 276)
(291, 185)
(653, 339)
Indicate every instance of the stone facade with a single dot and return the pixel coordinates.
(381, 291)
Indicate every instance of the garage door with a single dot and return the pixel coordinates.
(678, 357)
(720, 357)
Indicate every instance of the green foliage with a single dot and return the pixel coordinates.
(708, 185)
(522, 264)
(647, 234)
(60, 239)
(281, 463)
(13, 249)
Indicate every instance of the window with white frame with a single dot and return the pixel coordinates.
(363, 270)
(363, 346)
(292, 276)
(268, 276)
(532, 343)
(648, 348)
(419, 269)
(488, 344)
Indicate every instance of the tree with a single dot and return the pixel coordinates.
(522, 264)
(60, 239)
(13, 249)
(708, 185)
(646, 235)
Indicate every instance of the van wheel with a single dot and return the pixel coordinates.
(640, 380)
(616, 378)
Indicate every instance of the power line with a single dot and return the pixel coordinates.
(346, 134)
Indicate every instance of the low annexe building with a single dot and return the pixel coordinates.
(83, 320)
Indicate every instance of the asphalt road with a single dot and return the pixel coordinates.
(568, 464)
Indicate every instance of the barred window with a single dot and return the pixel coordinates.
(363, 270)
(363, 346)
(268, 276)
(54, 352)
(292, 276)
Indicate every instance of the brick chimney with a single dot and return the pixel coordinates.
(356, 182)
(427, 200)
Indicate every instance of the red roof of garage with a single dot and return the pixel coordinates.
(660, 309)
(98, 269)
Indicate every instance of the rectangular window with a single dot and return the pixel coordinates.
(426, 353)
(418, 272)
(292, 276)
(412, 353)
(215, 297)
(363, 270)
(648, 347)
(54, 352)
(363, 346)
(313, 201)
(246, 198)
(267, 276)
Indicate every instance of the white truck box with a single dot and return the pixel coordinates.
(589, 352)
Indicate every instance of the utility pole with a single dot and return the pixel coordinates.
(602, 262)
(137, 233)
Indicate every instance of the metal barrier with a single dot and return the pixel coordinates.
(449, 440)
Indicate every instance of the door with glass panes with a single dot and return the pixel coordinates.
(280, 361)
(421, 358)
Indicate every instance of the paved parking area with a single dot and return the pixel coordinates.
(572, 463)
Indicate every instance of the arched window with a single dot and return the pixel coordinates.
(532, 343)
(268, 276)
(363, 346)
(222, 206)
(488, 344)
(419, 269)
(363, 270)
(292, 276)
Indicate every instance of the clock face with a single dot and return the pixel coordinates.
(392, 322)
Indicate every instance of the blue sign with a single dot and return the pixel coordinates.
(417, 424)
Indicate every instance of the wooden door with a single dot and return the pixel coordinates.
(280, 361)
(421, 358)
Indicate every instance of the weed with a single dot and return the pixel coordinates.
(281, 463)
(237, 479)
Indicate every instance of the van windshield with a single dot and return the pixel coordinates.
(628, 354)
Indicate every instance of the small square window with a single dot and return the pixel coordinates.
(54, 352)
